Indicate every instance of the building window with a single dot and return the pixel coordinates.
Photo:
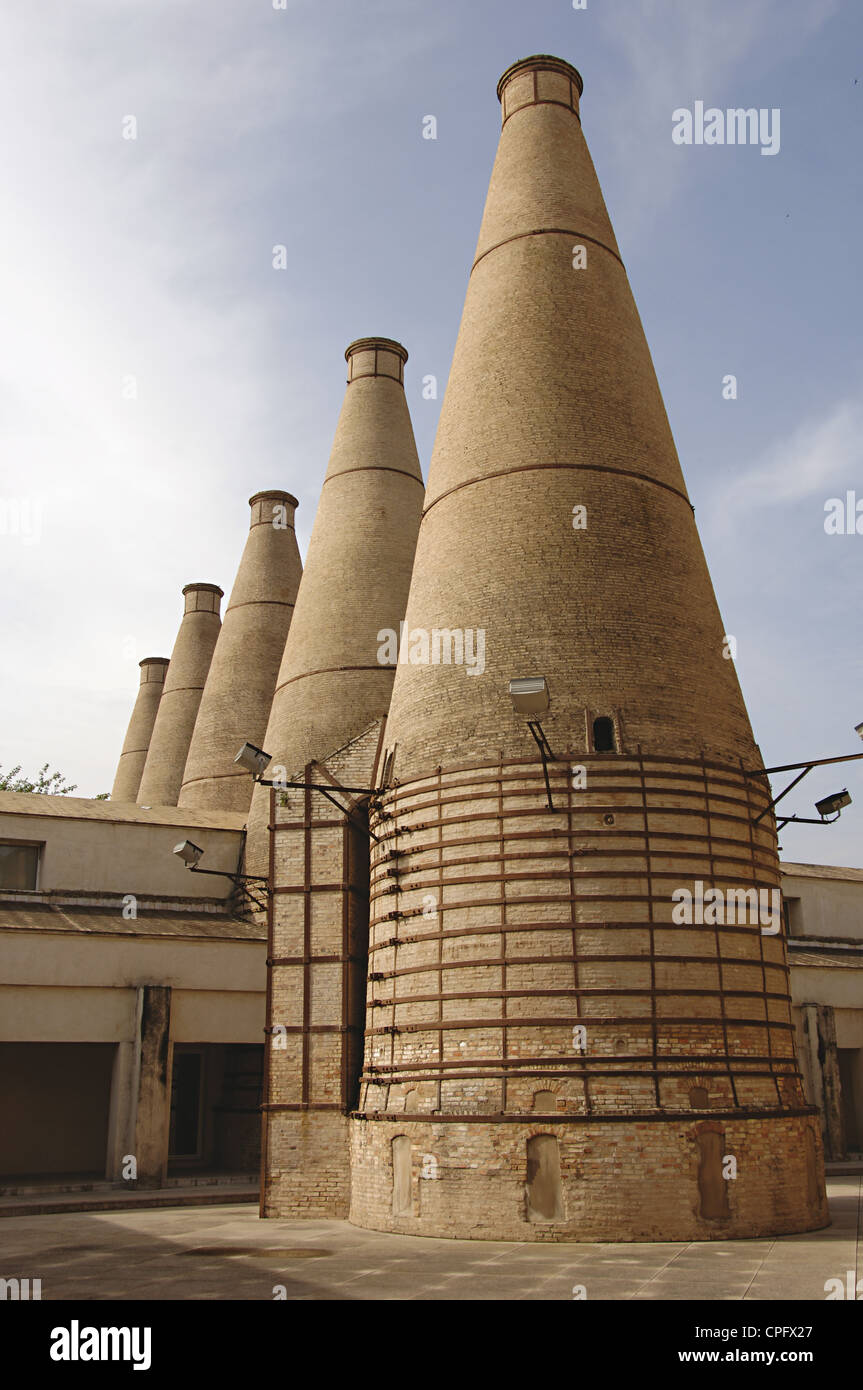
(792, 916)
(19, 864)
(603, 735)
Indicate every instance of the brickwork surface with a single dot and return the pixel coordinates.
(137, 742)
(238, 694)
(317, 982)
(331, 684)
(181, 696)
(527, 980)
(638, 1181)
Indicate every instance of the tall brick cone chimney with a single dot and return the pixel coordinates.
(134, 754)
(553, 1050)
(238, 694)
(181, 696)
(332, 683)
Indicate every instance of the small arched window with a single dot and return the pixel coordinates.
(603, 735)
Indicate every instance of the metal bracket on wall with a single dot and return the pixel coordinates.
(545, 753)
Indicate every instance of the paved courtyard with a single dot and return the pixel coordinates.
(227, 1252)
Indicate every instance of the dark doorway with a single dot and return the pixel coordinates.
(849, 1083)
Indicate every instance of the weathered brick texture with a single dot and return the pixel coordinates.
(137, 742)
(527, 978)
(238, 693)
(181, 696)
(331, 684)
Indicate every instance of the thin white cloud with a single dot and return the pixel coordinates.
(151, 258)
(818, 459)
(677, 51)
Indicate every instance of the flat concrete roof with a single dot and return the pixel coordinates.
(109, 921)
(121, 812)
(821, 871)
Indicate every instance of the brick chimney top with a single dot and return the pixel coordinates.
(540, 80)
(376, 357)
(202, 598)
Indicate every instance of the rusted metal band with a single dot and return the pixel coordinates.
(570, 467)
(549, 231)
(611, 1117)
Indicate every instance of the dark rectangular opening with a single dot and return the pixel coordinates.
(19, 864)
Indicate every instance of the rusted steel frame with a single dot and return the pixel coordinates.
(555, 833)
(440, 1038)
(716, 927)
(576, 979)
(555, 875)
(318, 960)
(307, 938)
(619, 831)
(319, 887)
(560, 899)
(534, 785)
(761, 941)
(577, 991)
(577, 959)
(335, 1028)
(303, 1105)
(663, 768)
(694, 1062)
(413, 939)
(650, 926)
(314, 824)
(597, 1117)
(657, 765)
(697, 1072)
(479, 1024)
(268, 1007)
(346, 861)
(382, 869)
(504, 1036)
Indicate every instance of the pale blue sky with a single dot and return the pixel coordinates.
(303, 127)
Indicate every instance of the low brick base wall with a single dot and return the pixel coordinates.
(637, 1179)
(307, 1173)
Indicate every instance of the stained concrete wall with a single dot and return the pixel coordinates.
(830, 900)
(99, 847)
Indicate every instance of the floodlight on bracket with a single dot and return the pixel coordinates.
(530, 695)
(256, 761)
(191, 854)
(829, 808)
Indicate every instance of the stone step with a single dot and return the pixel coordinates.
(111, 1198)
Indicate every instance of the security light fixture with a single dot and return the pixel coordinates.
(529, 695)
(189, 853)
(253, 759)
(256, 761)
(829, 808)
(832, 805)
(858, 729)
